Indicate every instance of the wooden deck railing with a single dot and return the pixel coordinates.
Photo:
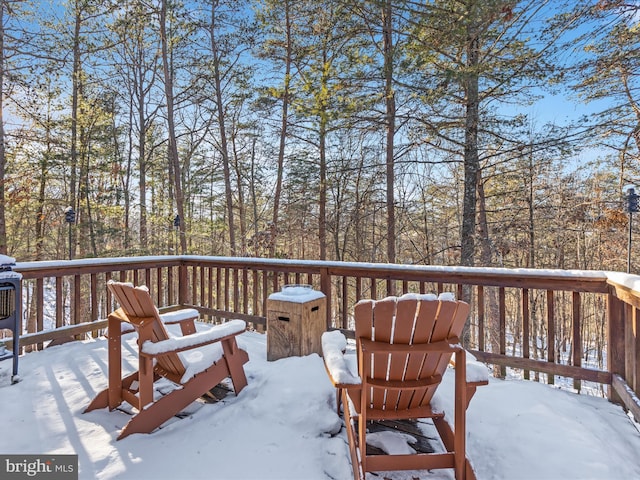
(577, 324)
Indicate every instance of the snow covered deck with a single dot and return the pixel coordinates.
(283, 425)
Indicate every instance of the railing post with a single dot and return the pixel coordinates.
(615, 346)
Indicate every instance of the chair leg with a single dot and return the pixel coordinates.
(146, 379)
(115, 362)
(107, 397)
(460, 415)
(362, 444)
(235, 359)
(158, 412)
(352, 436)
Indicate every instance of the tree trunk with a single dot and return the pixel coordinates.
(471, 161)
(283, 131)
(174, 159)
(390, 104)
(76, 83)
(142, 157)
(322, 207)
(224, 148)
(242, 207)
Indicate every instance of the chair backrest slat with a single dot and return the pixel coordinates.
(406, 320)
(136, 303)
(383, 319)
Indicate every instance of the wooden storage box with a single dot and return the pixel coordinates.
(296, 319)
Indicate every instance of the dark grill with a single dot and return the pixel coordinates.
(10, 314)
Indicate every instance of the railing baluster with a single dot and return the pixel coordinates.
(576, 335)
(194, 285)
(630, 344)
(226, 290)
(107, 307)
(59, 302)
(481, 332)
(170, 286)
(93, 281)
(503, 327)
(203, 288)
(159, 284)
(39, 308)
(551, 333)
(77, 301)
(219, 288)
(255, 289)
(94, 301)
(616, 348)
(211, 289)
(526, 334)
(183, 284)
(345, 302)
(265, 291)
(245, 290)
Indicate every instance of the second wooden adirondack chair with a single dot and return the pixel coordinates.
(403, 347)
(160, 355)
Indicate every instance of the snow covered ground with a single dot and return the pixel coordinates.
(283, 425)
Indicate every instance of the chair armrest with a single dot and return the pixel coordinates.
(477, 372)
(186, 317)
(195, 340)
(334, 344)
(181, 315)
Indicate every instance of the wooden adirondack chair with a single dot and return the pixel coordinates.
(403, 348)
(163, 356)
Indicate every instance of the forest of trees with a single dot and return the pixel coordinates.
(453, 132)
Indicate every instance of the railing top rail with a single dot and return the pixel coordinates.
(555, 279)
(55, 268)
